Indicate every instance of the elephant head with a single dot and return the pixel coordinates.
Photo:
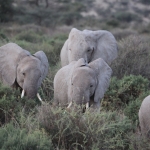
(18, 68)
(89, 45)
(86, 83)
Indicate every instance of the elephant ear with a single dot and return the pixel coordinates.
(9, 54)
(105, 45)
(103, 72)
(64, 54)
(65, 51)
(81, 62)
(44, 61)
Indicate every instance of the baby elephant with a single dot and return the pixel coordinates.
(80, 83)
(144, 116)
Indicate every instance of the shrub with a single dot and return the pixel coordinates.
(113, 23)
(89, 131)
(11, 104)
(51, 46)
(133, 58)
(20, 139)
(123, 34)
(145, 1)
(122, 92)
(6, 10)
(3, 37)
(30, 36)
(132, 109)
(126, 16)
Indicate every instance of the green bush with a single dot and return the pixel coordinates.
(132, 109)
(11, 103)
(121, 34)
(35, 42)
(12, 138)
(126, 16)
(122, 92)
(6, 10)
(74, 130)
(133, 58)
(30, 36)
(113, 22)
(145, 1)
(3, 37)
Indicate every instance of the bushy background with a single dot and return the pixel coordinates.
(44, 25)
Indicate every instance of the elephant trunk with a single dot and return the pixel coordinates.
(31, 92)
(81, 97)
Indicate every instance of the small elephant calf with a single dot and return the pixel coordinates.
(82, 83)
(144, 116)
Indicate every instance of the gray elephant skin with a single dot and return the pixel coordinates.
(18, 68)
(81, 84)
(144, 117)
(89, 45)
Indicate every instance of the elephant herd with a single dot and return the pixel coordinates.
(82, 80)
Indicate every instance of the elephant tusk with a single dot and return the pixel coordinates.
(87, 105)
(69, 104)
(39, 97)
(22, 94)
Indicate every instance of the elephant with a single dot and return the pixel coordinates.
(20, 69)
(89, 45)
(81, 84)
(144, 117)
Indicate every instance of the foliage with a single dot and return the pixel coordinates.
(74, 130)
(11, 104)
(113, 23)
(122, 92)
(3, 37)
(125, 16)
(133, 57)
(132, 109)
(51, 46)
(6, 10)
(67, 13)
(30, 36)
(145, 1)
(20, 139)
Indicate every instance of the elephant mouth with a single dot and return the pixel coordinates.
(38, 96)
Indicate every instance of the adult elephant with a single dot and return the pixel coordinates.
(18, 68)
(81, 83)
(144, 117)
(89, 45)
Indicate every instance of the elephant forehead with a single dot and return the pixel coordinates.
(30, 61)
(78, 39)
(29, 64)
(83, 73)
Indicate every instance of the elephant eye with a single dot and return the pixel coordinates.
(91, 85)
(88, 50)
(71, 83)
(23, 74)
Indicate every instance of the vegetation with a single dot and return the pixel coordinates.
(35, 25)
(6, 10)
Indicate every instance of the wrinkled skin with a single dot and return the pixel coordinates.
(18, 68)
(89, 45)
(144, 117)
(81, 83)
